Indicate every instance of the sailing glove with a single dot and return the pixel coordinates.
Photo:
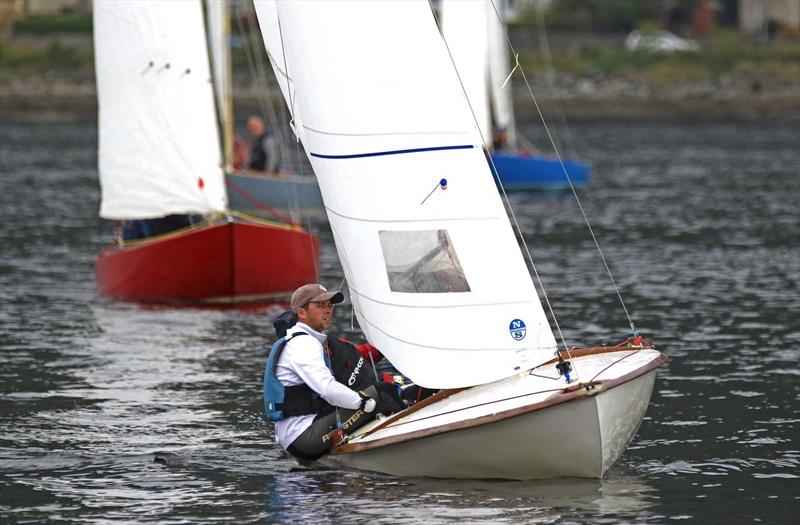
(388, 399)
(368, 403)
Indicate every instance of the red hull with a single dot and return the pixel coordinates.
(222, 262)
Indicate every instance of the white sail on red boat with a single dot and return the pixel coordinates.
(159, 156)
(436, 278)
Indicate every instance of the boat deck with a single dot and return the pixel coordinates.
(522, 392)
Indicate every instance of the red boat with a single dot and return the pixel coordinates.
(225, 261)
(161, 165)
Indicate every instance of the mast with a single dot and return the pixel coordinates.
(219, 30)
(227, 120)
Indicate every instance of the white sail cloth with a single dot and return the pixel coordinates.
(159, 151)
(475, 36)
(437, 279)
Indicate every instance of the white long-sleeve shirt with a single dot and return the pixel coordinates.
(303, 361)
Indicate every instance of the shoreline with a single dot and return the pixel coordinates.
(581, 100)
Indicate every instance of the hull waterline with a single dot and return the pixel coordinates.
(224, 262)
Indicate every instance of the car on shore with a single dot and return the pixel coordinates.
(660, 42)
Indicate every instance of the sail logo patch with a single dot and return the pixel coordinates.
(517, 329)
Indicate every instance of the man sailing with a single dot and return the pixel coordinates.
(317, 408)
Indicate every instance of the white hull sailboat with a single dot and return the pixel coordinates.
(436, 278)
(516, 428)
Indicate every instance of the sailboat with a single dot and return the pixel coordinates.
(159, 160)
(476, 39)
(437, 280)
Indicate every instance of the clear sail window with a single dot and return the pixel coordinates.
(422, 262)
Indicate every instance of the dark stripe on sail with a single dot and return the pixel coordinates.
(395, 152)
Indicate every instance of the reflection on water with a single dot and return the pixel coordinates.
(327, 496)
(112, 412)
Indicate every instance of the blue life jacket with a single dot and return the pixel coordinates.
(282, 401)
(347, 367)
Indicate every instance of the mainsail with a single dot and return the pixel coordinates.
(159, 148)
(436, 277)
(475, 35)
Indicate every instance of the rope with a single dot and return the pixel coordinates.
(325, 349)
(614, 363)
(265, 222)
(275, 213)
(251, 62)
(569, 180)
(258, 71)
(549, 74)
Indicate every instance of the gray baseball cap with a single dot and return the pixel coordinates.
(314, 292)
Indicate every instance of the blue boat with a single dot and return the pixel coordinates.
(529, 173)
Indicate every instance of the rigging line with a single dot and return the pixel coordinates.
(496, 175)
(260, 52)
(341, 285)
(279, 73)
(258, 69)
(295, 131)
(569, 180)
(243, 35)
(549, 75)
(259, 72)
(294, 197)
(260, 204)
(593, 379)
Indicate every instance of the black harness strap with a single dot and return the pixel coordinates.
(299, 400)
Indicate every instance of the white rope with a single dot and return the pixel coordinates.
(549, 74)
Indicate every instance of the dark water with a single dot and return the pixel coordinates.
(114, 413)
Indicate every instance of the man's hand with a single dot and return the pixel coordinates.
(368, 404)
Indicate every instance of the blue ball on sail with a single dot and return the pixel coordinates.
(443, 184)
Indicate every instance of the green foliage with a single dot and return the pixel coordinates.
(599, 15)
(725, 52)
(677, 73)
(56, 58)
(49, 24)
(775, 70)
